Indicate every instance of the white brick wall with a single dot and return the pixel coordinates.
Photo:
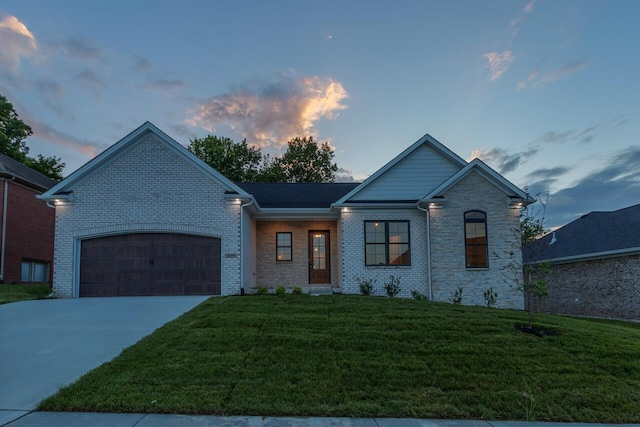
(448, 245)
(412, 277)
(148, 188)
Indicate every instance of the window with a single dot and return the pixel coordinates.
(475, 236)
(387, 243)
(34, 271)
(283, 247)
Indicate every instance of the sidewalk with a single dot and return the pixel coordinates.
(82, 419)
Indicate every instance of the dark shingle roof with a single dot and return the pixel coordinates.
(592, 233)
(10, 167)
(296, 195)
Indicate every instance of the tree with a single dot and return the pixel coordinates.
(236, 161)
(304, 161)
(13, 132)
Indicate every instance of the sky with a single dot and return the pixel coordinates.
(546, 92)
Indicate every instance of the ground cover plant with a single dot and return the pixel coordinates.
(15, 293)
(369, 356)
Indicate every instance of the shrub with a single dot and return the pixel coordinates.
(392, 287)
(456, 297)
(262, 290)
(281, 291)
(490, 297)
(366, 286)
(38, 290)
(297, 290)
(418, 296)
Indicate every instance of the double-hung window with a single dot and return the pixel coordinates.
(475, 237)
(283, 247)
(387, 243)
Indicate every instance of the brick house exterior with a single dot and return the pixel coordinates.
(427, 217)
(595, 266)
(27, 224)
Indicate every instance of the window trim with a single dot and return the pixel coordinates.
(386, 242)
(32, 263)
(486, 237)
(290, 246)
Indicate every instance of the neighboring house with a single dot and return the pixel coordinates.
(595, 265)
(146, 217)
(27, 224)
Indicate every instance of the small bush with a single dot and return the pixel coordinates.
(297, 290)
(262, 290)
(418, 296)
(392, 287)
(281, 291)
(366, 286)
(38, 290)
(456, 296)
(490, 297)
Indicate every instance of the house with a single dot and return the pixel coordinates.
(595, 265)
(27, 224)
(146, 217)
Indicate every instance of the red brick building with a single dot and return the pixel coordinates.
(26, 224)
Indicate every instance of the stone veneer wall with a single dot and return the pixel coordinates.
(148, 188)
(607, 288)
(413, 277)
(272, 273)
(448, 245)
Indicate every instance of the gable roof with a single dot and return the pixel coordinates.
(594, 235)
(122, 146)
(10, 168)
(296, 195)
(489, 174)
(426, 139)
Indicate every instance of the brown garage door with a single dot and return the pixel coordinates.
(150, 264)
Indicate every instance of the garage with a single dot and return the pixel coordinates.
(144, 264)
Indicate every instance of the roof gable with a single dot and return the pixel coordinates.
(12, 168)
(124, 145)
(594, 234)
(486, 172)
(409, 175)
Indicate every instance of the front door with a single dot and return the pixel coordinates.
(319, 259)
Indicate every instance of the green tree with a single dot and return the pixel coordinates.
(13, 132)
(305, 161)
(236, 161)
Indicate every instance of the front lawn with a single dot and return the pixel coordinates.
(14, 293)
(369, 356)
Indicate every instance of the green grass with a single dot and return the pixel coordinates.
(369, 356)
(14, 293)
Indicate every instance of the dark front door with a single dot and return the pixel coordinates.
(319, 259)
(150, 264)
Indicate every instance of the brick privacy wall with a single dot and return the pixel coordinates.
(448, 245)
(151, 188)
(271, 273)
(607, 288)
(413, 277)
(30, 230)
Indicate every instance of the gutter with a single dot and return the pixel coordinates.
(592, 256)
(4, 226)
(428, 225)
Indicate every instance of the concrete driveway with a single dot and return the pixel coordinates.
(46, 344)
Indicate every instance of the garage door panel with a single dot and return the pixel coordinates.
(150, 264)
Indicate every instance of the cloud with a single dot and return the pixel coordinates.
(499, 62)
(344, 175)
(273, 113)
(504, 160)
(90, 79)
(615, 186)
(184, 130)
(17, 43)
(535, 78)
(47, 133)
(328, 36)
(555, 137)
(78, 47)
(141, 64)
(51, 93)
(547, 173)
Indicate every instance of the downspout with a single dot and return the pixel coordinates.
(4, 225)
(242, 243)
(428, 224)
